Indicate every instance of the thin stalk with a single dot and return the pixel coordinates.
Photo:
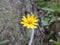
(31, 37)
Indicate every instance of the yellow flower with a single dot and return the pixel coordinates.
(30, 21)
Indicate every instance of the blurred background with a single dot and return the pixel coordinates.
(13, 33)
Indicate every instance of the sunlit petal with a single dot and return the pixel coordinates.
(28, 16)
(30, 21)
(32, 16)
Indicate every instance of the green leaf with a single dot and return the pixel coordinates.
(57, 9)
(48, 20)
(58, 19)
(55, 42)
(48, 9)
(53, 5)
(3, 42)
(44, 23)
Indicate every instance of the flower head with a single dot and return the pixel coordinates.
(30, 21)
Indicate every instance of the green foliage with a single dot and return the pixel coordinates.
(48, 20)
(55, 42)
(4, 42)
(51, 5)
(58, 19)
(48, 9)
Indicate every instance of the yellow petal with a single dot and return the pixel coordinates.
(36, 20)
(29, 21)
(25, 25)
(34, 26)
(22, 22)
(24, 18)
(28, 16)
(28, 27)
(32, 16)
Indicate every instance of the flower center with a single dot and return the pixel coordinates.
(29, 22)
